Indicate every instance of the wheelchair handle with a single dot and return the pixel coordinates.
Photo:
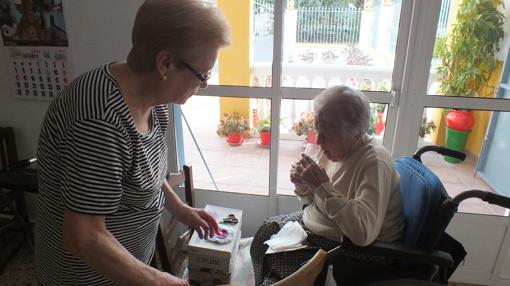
(441, 150)
(491, 198)
(499, 200)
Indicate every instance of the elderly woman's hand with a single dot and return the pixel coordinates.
(307, 172)
(295, 177)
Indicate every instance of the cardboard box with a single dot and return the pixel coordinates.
(199, 276)
(210, 255)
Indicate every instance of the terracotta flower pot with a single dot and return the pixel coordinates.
(265, 138)
(311, 137)
(379, 125)
(235, 138)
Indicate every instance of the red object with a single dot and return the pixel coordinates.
(265, 138)
(221, 233)
(234, 138)
(460, 120)
(379, 125)
(311, 137)
(255, 117)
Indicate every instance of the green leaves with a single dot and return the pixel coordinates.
(231, 123)
(469, 55)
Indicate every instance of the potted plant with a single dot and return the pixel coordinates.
(233, 126)
(329, 57)
(468, 57)
(306, 125)
(379, 112)
(356, 56)
(264, 129)
(426, 127)
(308, 57)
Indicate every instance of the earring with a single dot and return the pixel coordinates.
(163, 77)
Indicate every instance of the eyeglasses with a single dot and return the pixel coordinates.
(202, 77)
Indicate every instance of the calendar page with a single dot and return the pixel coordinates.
(38, 72)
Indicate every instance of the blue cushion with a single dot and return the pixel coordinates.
(422, 194)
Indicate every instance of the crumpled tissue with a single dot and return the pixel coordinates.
(290, 237)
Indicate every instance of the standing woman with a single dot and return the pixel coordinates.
(103, 157)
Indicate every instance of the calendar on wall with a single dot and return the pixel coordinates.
(38, 72)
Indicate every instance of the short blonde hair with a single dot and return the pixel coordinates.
(182, 27)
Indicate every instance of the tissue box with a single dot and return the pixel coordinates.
(213, 256)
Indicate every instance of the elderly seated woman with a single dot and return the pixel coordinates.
(351, 192)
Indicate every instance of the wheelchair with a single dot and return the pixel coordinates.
(425, 254)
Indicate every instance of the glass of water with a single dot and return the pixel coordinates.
(313, 151)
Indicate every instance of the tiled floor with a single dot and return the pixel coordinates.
(245, 168)
(461, 177)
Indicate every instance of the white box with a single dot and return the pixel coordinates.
(207, 277)
(206, 254)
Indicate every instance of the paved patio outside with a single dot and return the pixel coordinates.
(245, 168)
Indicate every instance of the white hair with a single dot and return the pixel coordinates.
(344, 110)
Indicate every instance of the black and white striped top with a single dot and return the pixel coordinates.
(93, 161)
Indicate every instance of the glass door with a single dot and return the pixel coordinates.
(311, 45)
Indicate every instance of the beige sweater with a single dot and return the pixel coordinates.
(362, 200)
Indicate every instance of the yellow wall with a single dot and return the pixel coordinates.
(234, 60)
(475, 139)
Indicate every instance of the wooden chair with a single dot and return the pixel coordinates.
(308, 273)
(14, 178)
(170, 246)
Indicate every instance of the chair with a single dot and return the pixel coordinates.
(169, 246)
(426, 252)
(308, 273)
(14, 178)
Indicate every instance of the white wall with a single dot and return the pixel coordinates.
(99, 32)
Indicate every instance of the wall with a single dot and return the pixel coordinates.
(234, 60)
(99, 32)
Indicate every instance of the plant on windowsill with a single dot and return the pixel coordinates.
(264, 129)
(233, 126)
(308, 57)
(356, 56)
(426, 127)
(329, 57)
(306, 125)
(468, 58)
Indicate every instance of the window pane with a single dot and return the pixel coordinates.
(462, 176)
(336, 42)
(251, 48)
(234, 166)
(296, 129)
(466, 59)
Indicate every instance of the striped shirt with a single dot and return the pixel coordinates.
(92, 160)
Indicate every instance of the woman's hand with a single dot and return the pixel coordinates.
(295, 177)
(198, 219)
(167, 279)
(309, 173)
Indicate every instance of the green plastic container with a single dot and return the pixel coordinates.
(455, 140)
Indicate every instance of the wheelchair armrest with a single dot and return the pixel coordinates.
(399, 251)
